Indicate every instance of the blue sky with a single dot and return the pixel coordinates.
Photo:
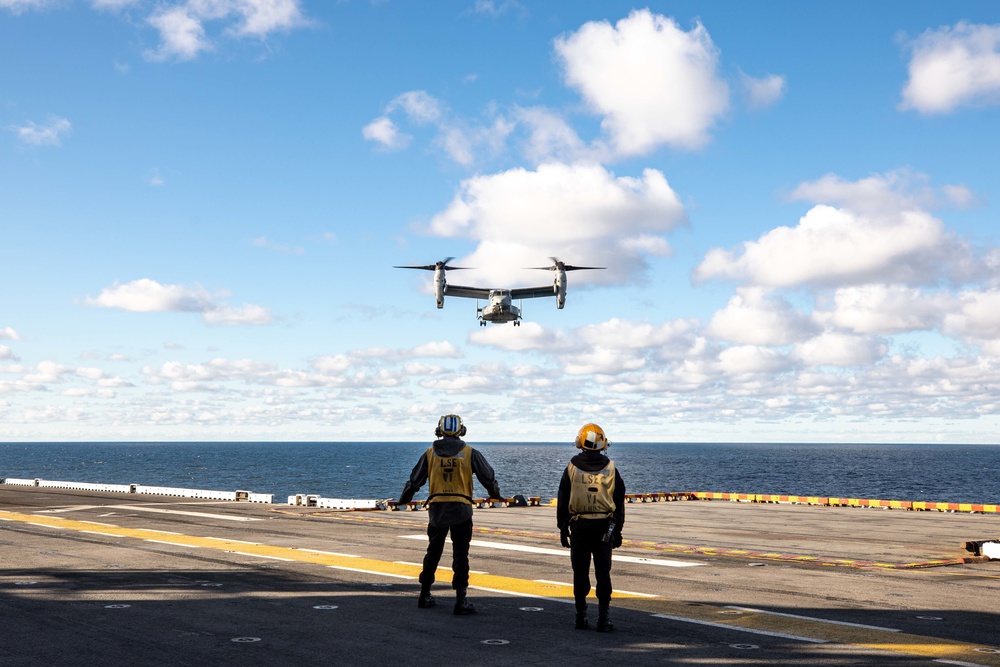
(201, 202)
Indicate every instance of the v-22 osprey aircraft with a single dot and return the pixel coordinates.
(500, 307)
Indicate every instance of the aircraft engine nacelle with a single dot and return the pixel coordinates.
(439, 286)
(560, 288)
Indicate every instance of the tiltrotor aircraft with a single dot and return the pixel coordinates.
(500, 308)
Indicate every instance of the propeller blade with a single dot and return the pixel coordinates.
(556, 265)
(443, 264)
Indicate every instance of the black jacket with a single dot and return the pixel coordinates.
(448, 513)
(590, 461)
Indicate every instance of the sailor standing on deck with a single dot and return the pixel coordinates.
(449, 465)
(590, 513)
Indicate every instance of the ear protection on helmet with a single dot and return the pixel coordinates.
(450, 425)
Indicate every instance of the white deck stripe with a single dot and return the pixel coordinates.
(738, 628)
(564, 553)
(814, 619)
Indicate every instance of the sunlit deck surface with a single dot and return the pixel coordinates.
(87, 576)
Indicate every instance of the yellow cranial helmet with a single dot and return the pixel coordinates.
(592, 437)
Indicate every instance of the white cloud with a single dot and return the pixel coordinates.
(840, 349)
(145, 295)
(550, 137)
(248, 314)
(420, 107)
(583, 214)
(528, 336)
(624, 334)
(753, 317)
(183, 35)
(751, 359)
(763, 92)
(383, 131)
(880, 235)
(459, 140)
(8, 333)
(952, 67)
(18, 6)
(652, 82)
(976, 319)
(50, 134)
(7, 353)
(885, 309)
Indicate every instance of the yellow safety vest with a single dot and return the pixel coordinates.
(591, 494)
(450, 477)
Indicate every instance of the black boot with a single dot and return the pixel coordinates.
(462, 606)
(426, 600)
(581, 620)
(603, 621)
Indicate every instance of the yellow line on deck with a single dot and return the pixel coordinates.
(512, 585)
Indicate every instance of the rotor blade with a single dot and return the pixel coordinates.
(582, 268)
(427, 267)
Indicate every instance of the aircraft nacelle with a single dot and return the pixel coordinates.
(439, 282)
(560, 288)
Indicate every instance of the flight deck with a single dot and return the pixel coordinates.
(89, 575)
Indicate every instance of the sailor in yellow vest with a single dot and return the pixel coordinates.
(449, 464)
(590, 513)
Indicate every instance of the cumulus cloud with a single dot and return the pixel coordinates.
(953, 66)
(976, 319)
(833, 348)
(8, 333)
(7, 353)
(529, 336)
(583, 214)
(145, 295)
(50, 134)
(885, 309)
(880, 234)
(182, 26)
(763, 92)
(652, 82)
(752, 317)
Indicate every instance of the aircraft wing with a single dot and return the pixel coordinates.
(467, 292)
(532, 292)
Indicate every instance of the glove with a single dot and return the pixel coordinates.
(616, 540)
(564, 537)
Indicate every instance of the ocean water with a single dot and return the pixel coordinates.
(938, 473)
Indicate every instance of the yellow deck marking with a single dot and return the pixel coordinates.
(806, 629)
(345, 562)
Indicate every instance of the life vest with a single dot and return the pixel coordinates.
(591, 494)
(450, 477)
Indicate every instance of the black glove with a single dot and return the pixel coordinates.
(564, 537)
(616, 540)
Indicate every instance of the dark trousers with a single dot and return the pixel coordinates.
(461, 535)
(586, 541)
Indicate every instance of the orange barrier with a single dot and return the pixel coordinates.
(847, 502)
